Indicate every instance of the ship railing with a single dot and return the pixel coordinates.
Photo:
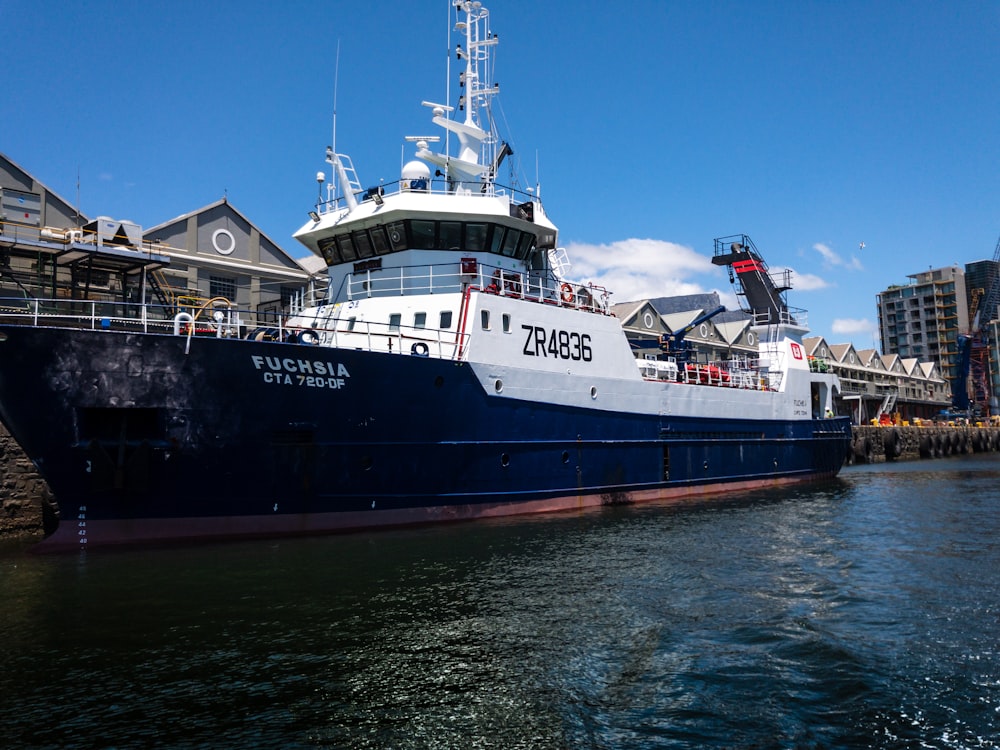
(216, 316)
(226, 321)
(454, 278)
(791, 316)
(92, 314)
(423, 186)
(350, 333)
(742, 373)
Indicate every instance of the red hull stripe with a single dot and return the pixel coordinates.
(159, 530)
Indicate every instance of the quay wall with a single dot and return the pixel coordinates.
(27, 507)
(875, 443)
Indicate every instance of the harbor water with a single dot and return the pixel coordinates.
(863, 612)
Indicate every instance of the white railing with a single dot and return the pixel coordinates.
(789, 317)
(444, 278)
(429, 187)
(224, 321)
(383, 337)
(741, 373)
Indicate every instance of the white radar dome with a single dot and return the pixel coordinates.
(416, 176)
(416, 170)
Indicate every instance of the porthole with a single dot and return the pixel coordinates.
(223, 241)
(498, 385)
(367, 462)
(504, 460)
(438, 381)
(593, 391)
(565, 457)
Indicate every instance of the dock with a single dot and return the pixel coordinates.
(877, 443)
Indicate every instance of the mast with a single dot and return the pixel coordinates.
(477, 143)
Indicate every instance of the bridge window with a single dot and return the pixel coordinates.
(510, 242)
(422, 234)
(379, 242)
(362, 244)
(450, 235)
(475, 237)
(346, 248)
(496, 241)
(397, 235)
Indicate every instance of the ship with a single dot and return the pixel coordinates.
(454, 370)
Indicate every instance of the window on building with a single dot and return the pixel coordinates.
(222, 286)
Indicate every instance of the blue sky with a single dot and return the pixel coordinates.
(651, 127)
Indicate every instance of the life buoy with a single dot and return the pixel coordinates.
(566, 293)
(494, 287)
(419, 349)
(308, 336)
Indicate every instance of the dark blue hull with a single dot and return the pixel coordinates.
(141, 440)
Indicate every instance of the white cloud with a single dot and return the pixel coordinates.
(829, 256)
(832, 259)
(636, 269)
(853, 325)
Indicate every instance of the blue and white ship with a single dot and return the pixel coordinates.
(454, 371)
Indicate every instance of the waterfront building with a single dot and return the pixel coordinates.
(924, 317)
(49, 249)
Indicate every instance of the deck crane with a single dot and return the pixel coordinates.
(675, 345)
(973, 352)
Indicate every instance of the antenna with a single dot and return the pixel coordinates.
(447, 69)
(336, 81)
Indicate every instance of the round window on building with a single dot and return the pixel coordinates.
(223, 241)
